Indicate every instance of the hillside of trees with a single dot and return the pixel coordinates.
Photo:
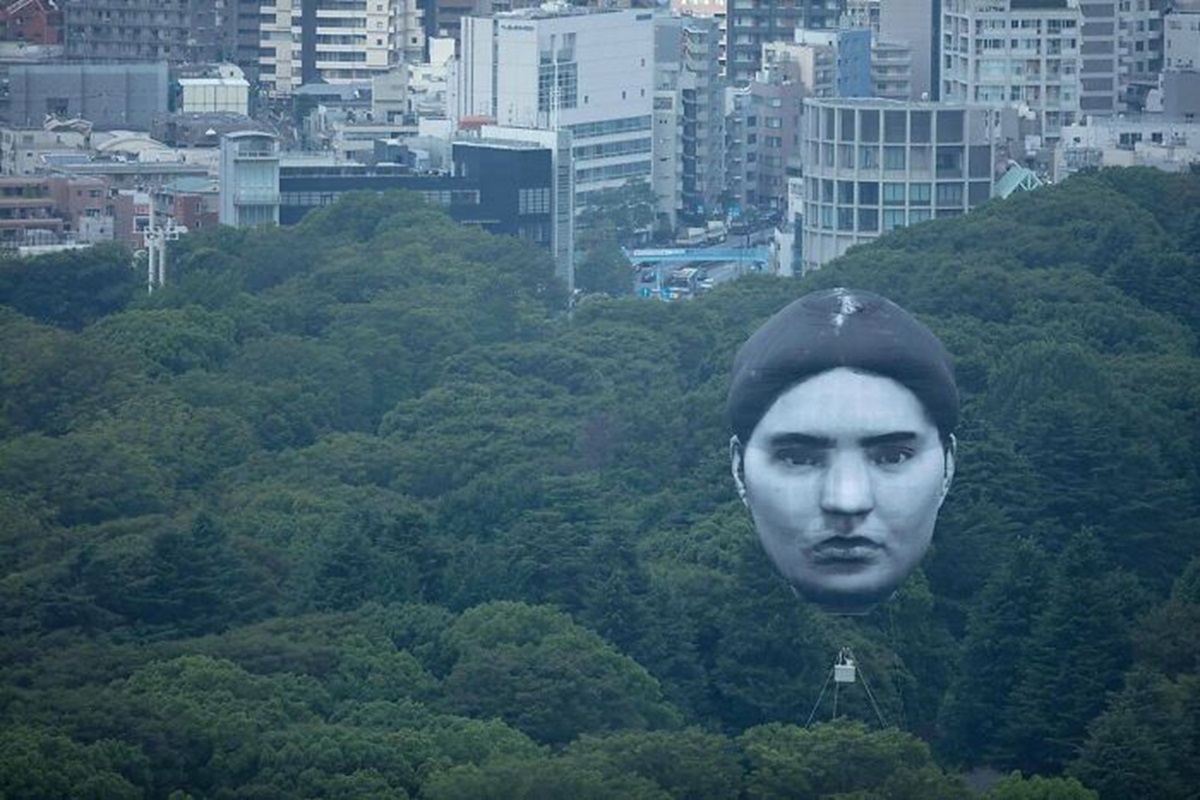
(356, 510)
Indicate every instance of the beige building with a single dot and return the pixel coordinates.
(335, 41)
(1022, 54)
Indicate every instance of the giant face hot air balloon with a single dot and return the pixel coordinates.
(842, 408)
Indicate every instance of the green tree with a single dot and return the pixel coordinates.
(688, 764)
(43, 764)
(832, 759)
(1038, 787)
(1078, 650)
(541, 779)
(616, 215)
(73, 288)
(1133, 748)
(542, 674)
(999, 629)
(604, 270)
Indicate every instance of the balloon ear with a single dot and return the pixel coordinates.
(948, 470)
(737, 465)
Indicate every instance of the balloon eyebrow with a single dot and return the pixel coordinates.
(802, 440)
(898, 437)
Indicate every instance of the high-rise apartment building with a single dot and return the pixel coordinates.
(175, 31)
(336, 41)
(752, 23)
(1098, 68)
(711, 9)
(586, 70)
(689, 118)
(1025, 53)
(891, 70)
(916, 24)
(763, 133)
(1140, 40)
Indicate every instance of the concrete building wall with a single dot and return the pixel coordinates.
(917, 24)
(1181, 34)
(1099, 88)
(107, 95)
(891, 70)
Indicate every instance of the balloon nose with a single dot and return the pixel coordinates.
(846, 487)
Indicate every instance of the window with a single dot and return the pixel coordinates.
(845, 218)
(949, 162)
(533, 201)
(893, 158)
(949, 194)
(565, 94)
(869, 125)
(893, 218)
(868, 157)
(919, 194)
(893, 194)
(868, 220)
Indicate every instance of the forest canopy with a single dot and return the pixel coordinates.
(356, 509)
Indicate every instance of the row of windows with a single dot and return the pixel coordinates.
(587, 130)
(873, 125)
(895, 193)
(613, 172)
(869, 219)
(946, 161)
(533, 201)
(444, 197)
(607, 149)
(566, 78)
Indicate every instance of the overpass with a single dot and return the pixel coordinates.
(653, 257)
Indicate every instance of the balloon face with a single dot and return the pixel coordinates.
(844, 476)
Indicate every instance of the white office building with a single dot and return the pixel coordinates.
(1025, 53)
(872, 165)
(589, 71)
